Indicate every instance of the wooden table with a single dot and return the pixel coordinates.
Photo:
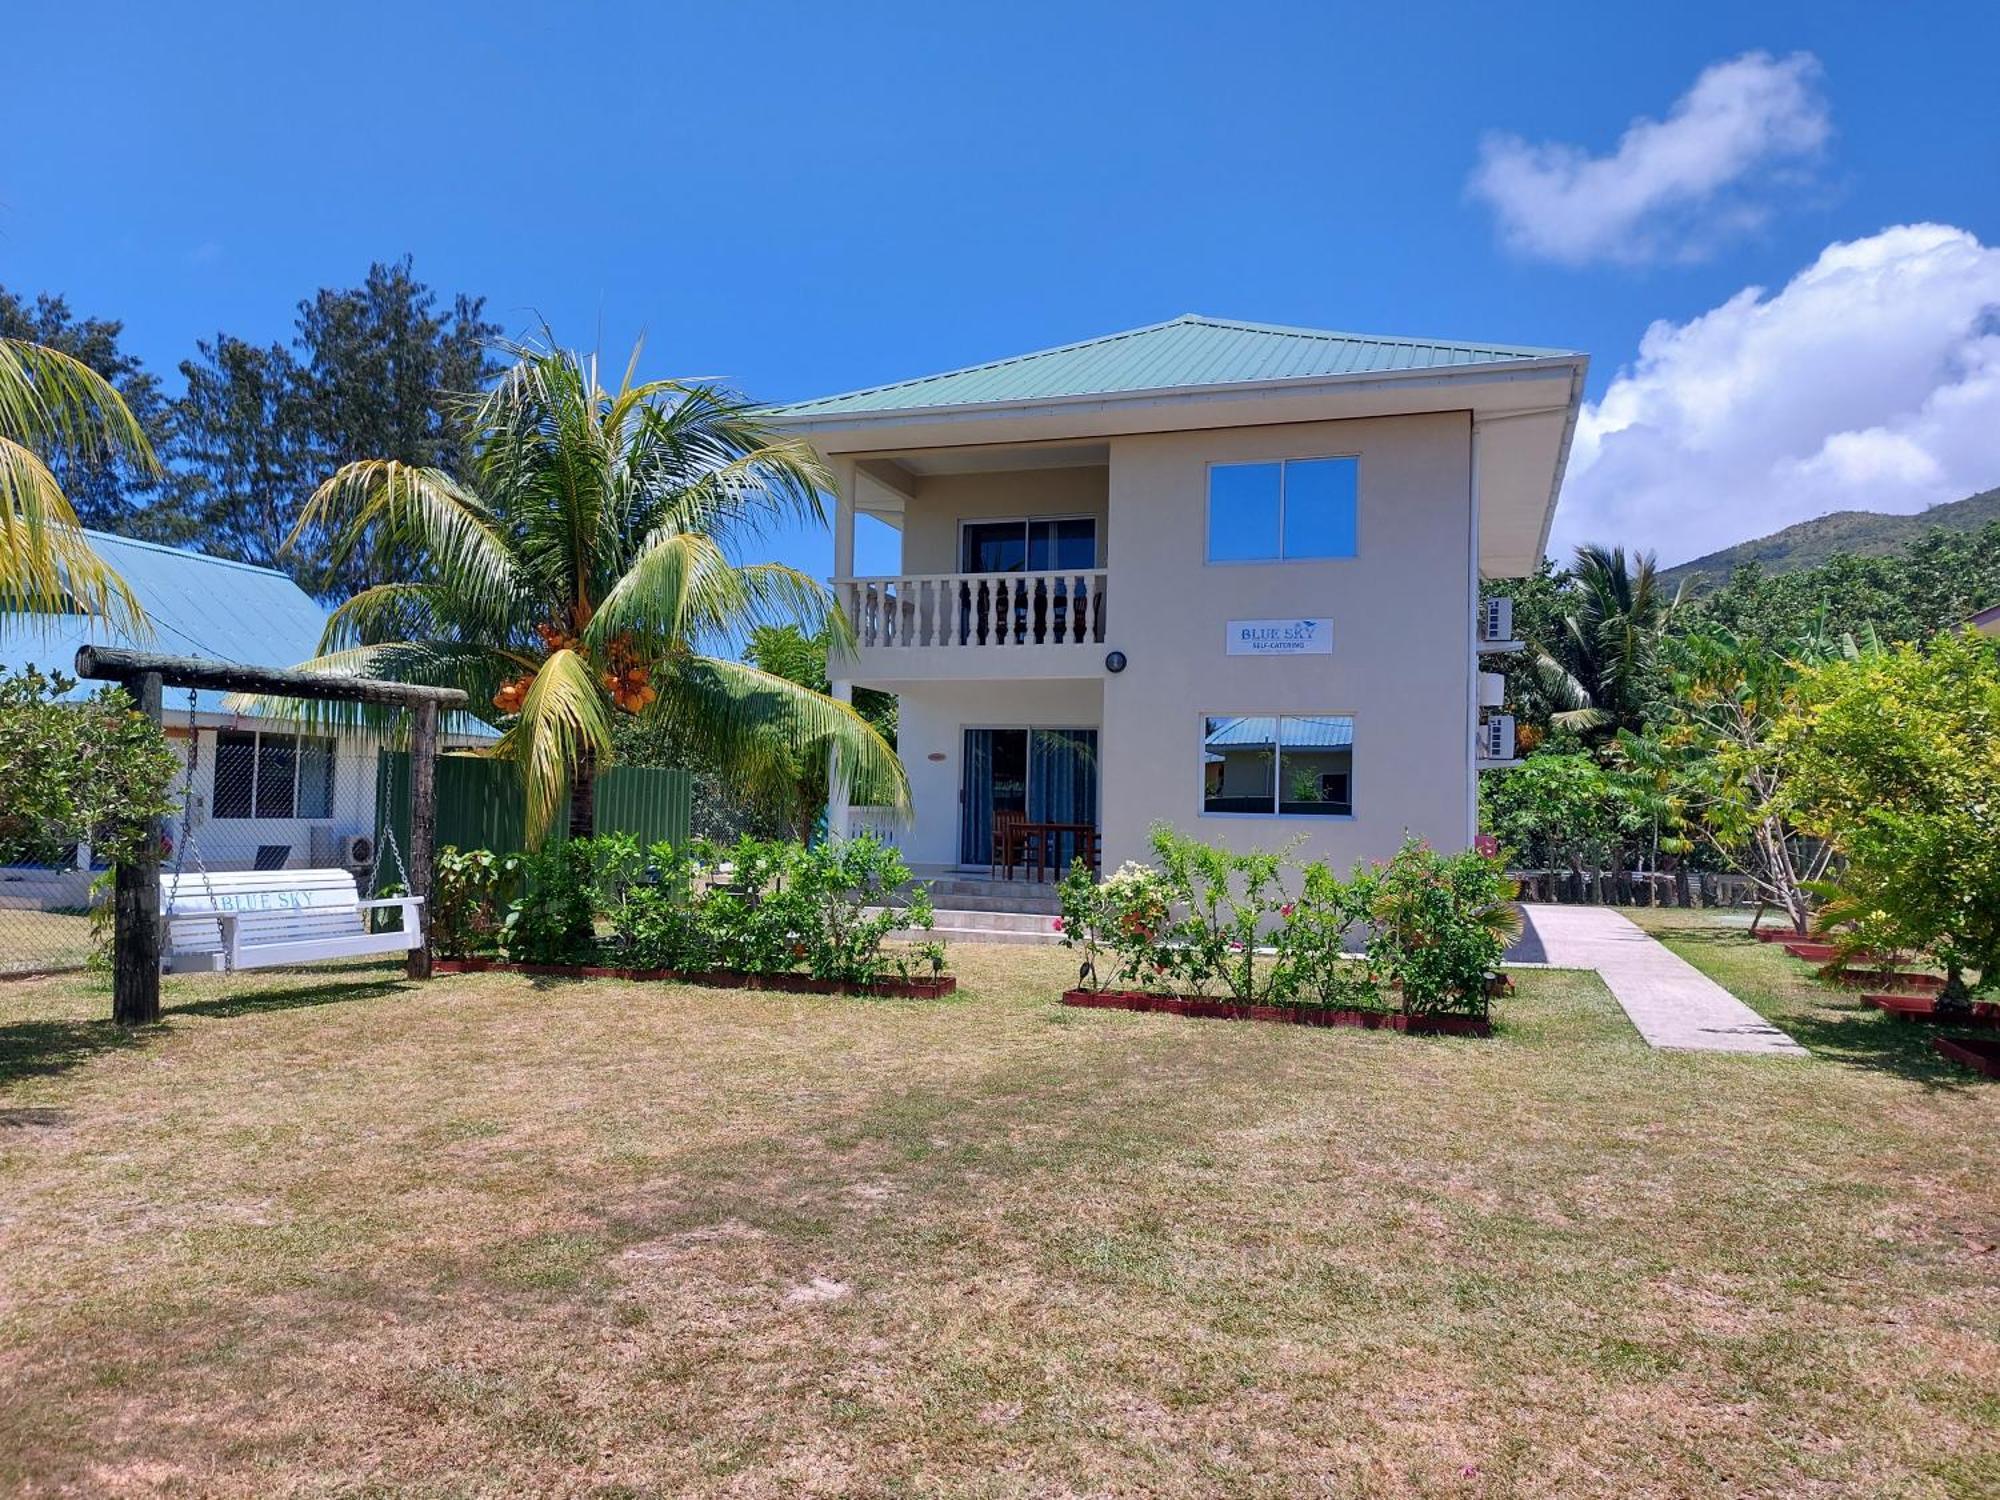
(1044, 836)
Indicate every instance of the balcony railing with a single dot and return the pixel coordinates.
(972, 610)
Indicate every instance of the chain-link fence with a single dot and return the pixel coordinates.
(248, 795)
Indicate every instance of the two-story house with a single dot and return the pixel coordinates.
(1219, 574)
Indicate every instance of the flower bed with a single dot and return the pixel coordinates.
(1205, 1008)
(1409, 944)
(1981, 1054)
(768, 915)
(1880, 979)
(725, 979)
(1924, 1008)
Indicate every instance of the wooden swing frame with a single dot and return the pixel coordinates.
(135, 997)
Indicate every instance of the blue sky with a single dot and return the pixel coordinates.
(807, 198)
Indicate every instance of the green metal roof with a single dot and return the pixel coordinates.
(1189, 351)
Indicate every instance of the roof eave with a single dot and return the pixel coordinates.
(1296, 385)
(1580, 371)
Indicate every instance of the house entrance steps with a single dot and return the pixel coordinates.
(972, 908)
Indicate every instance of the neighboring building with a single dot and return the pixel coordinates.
(1219, 574)
(1987, 621)
(264, 795)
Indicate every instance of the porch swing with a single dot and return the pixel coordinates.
(256, 919)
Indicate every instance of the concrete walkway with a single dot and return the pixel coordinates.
(1672, 1002)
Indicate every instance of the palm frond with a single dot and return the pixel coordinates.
(47, 566)
(563, 724)
(474, 669)
(49, 399)
(730, 710)
(420, 512)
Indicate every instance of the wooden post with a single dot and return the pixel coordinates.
(423, 822)
(135, 911)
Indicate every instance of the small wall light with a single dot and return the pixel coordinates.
(1114, 661)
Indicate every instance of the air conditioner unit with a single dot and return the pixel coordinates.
(357, 851)
(1492, 690)
(1496, 618)
(1497, 737)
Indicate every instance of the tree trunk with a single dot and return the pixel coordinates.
(423, 825)
(583, 798)
(135, 952)
(1956, 996)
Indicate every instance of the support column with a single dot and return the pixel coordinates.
(423, 823)
(838, 823)
(135, 943)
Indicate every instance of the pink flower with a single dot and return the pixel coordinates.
(1056, 925)
(1286, 909)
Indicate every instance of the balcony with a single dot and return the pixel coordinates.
(945, 625)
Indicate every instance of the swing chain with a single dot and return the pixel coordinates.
(187, 840)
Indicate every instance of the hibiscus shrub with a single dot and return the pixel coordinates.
(1423, 928)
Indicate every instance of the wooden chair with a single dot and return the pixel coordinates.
(1010, 842)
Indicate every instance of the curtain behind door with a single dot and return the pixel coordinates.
(1062, 782)
(975, 807)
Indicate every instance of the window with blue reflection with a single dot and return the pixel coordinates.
(1243, 505)
(1300, 509)
(1319, 507)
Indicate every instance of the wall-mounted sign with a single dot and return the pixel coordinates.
(1280, 638)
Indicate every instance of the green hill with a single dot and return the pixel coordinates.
(1866, 533)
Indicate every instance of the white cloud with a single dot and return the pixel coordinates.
(1674, 187)
(1870, 381)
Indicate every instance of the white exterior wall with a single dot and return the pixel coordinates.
(232, 843)
(930, 525)
(1401, 612)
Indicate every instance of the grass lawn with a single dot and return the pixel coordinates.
(31, 941)
(331, 1234)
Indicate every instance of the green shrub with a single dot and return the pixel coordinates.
(1312, 963)
(1226, 902)
(648, 896)
(552, 921)
(1123, 918)
(1439, 924)
(1208, 920)
(469, 888)
(90, 771)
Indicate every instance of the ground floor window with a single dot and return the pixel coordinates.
(1280, 765)
(260, 775)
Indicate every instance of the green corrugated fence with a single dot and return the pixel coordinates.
(480, 805)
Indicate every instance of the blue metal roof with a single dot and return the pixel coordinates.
(197, 605)
(1302, 732)
(1190, 351)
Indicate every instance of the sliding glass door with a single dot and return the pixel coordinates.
(1038, 612)
(1043, 775)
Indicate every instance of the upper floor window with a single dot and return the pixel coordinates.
(1042, 545)
(1282, 512)
(271, 776)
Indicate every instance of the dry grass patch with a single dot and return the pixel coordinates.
(33, 941)
(331, 1234)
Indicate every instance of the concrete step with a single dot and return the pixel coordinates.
(1005, 921)
(977, 927)
(970, 885)
(1043, 906)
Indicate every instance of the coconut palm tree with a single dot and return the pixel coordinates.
(1602, 669)
(52, 401)
(584, 567)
